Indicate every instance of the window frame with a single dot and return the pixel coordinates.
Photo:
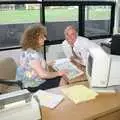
(81, 15)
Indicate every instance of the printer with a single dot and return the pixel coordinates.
(19, 105)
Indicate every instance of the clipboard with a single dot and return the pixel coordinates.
(66, 64)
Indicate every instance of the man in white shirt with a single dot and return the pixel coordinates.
(75, 46)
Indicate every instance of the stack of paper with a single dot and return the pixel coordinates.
(79, 93)
(47, 99)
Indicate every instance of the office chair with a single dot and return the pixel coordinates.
(115, 44)
(7, 76)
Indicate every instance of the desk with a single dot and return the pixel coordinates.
(104, 107)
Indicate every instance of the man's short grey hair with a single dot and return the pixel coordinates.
(68, 28)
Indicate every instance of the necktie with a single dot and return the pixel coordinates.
(78, 55)
(74, 52)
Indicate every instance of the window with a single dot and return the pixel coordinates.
(61, 13)
(57, 18)
(90, 18)
(97, 20)
(14, 18)
(118, 17)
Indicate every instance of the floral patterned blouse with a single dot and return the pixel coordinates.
(25, 73)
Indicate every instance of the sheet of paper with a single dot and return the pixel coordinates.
(49, 100)
(59, 61)
(79, 93)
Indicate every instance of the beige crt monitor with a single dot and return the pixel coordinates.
(102, 69)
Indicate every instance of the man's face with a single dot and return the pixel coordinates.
(71, 36)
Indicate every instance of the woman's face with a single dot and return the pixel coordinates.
(42, 40)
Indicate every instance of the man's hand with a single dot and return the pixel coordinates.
(63, 82)
(76, 60)
(78, 63)
(51, 63)
(72, 58)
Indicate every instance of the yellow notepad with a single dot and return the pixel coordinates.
(79, 93)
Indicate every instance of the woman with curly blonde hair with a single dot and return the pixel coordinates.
(31, 70)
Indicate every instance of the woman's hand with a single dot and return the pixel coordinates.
(63, 72)
(72, 58)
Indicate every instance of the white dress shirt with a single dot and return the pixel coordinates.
(67, 49)
(80, 48)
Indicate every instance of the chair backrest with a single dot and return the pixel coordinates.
(115, 44)
(7, 68)
(7, 72)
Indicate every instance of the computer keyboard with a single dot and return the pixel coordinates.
(104, 90)
(108, 40)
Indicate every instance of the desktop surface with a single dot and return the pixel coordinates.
(106, 106)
